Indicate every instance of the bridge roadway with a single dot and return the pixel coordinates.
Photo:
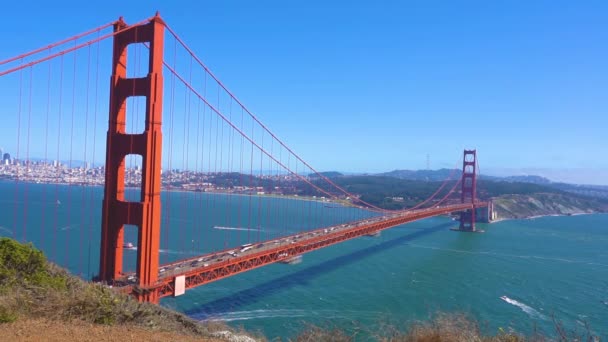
(214, 266)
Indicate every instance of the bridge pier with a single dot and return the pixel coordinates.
(146, 295)
(468, 222)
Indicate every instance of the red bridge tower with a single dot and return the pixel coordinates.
(117, 212)
(469, 190)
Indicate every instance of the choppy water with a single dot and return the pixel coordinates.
(518, 274)
(542, 268)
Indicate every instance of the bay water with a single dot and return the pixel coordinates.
(519, 274)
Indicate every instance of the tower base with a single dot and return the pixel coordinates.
(468, 231)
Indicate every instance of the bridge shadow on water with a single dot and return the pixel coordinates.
(257, 293)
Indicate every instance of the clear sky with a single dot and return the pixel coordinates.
(370, 86)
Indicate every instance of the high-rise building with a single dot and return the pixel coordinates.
(6, 157)
(1, 152)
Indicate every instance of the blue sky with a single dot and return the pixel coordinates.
(373, 86)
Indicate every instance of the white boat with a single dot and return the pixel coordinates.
(129, 245)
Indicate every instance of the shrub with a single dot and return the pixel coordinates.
(24, 265)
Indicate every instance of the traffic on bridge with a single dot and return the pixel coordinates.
(176, 277)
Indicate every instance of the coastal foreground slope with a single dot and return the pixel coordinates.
(42, 302)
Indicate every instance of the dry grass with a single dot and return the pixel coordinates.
(32, 290)
(449, 328)
(94, 303)
(55, 331)
(442, 328)
(317, 334)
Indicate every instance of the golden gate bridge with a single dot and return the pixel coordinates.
(171, 125)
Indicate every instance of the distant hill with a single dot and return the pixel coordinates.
(532, 179)
(401, 189)
(443, 174)
(328, 174)
(598, 191)
(422, 175)
(380, 187)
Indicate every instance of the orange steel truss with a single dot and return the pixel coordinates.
(117, 212)
(203, 275)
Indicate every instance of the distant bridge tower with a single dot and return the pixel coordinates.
(469, 190)
(117, 212)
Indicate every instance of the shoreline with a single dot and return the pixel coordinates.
(544, 215)
(342, 203)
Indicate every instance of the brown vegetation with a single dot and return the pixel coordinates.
(34, 292)
(40, 330)
(442, 328)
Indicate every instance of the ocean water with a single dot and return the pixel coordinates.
(519, 274)
(545, 267)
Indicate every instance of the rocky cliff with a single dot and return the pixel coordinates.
(541, 204)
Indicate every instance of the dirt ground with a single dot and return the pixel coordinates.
(42, 330)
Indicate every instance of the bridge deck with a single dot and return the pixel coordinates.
(214, 266)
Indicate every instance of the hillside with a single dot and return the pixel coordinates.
(541, 204)
(600, 191)
(422, 175)
(40, 301)
(515, 199)
(442, 174)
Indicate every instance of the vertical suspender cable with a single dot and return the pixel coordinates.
(16, 160)
(230, 175)
(183, 220)
(58, 164)
(69, 215)
(204, 227)
(83, 185)
(196, 215)
(89, 276)
(27, 155)
(46, 150)
(258, 184)
(242, 189)
(251, 185)
(169, 172)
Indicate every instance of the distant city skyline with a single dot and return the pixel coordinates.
(372, 87)
(571, 176)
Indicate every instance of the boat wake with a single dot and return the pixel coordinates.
(236, 228)
(530, 311)
(68, 227)
(6, 230)
(255, 314)
(171, 251)
(279, 313)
